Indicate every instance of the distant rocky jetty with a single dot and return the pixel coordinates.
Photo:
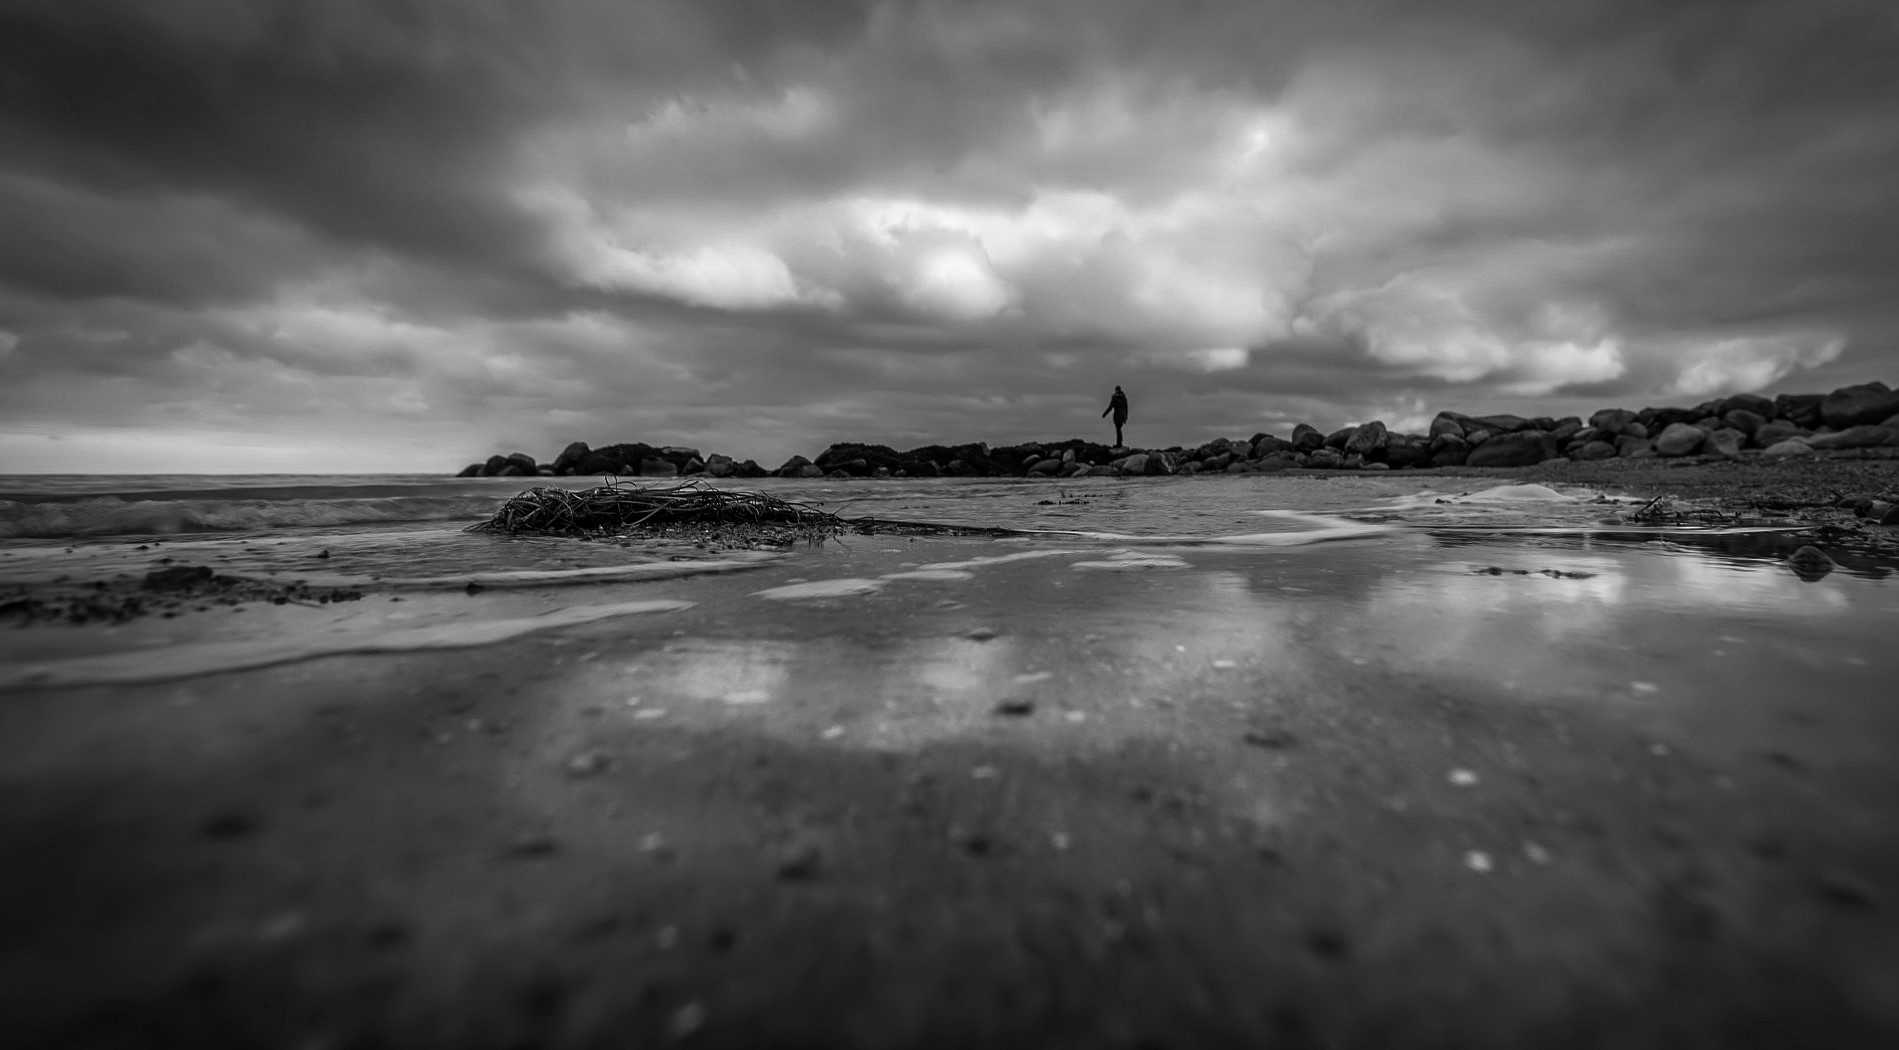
(1861, 416)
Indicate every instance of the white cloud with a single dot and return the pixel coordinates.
(1706, 366)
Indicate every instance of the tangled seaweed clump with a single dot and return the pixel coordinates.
(618, 508)
(693, 511)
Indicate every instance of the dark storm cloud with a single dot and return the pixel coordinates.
(767, 226)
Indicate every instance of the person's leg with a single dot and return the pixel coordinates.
(1117, 435)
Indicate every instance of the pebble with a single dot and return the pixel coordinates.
(1536, 853)
(687, 1020)
(588, 763)
(832, 733)
(1015, 705)
(980, 634)
(1462, 777)
(1478, 861)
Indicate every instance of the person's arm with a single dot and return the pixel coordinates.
(1105, 411)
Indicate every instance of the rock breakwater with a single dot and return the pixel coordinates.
(1861, 416)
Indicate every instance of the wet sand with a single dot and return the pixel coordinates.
(1222, 814)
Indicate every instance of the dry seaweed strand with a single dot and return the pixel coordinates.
(620, 507)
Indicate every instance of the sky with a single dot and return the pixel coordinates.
(329, 236)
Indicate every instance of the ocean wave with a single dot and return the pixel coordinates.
(113, 516)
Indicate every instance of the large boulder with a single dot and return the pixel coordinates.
(1631, 447)
(494, 466)
(1799, 409)
(1590, 450)
(472, 470)
(1659, 419)
(1612, 420)
(1863, 405)
(1794, 446)
(1505, 424)
(1449, 450)
(1745, 420)
(1725, 442)
(615, 459)
(1445, 423)
(571, 457)
(1368, 439)
(1306, 438)
(1679, 439)
(1337, 438)
(720, 466)
(793, 467)
(1755, 403)
(524, 461)
(858, 460)
(1773, 433)
(1863, 436)
(1407, 450)
(1325, 459)
(1522, 448)
(656, 467)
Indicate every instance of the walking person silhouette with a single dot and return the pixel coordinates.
(1118, 404)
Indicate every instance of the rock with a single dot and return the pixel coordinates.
(1627, 445)
(1449, 450)
(522, 460)
(793, 467)
(472, 470)
(1337, 438)
(1443, 424)
(1864, 436)
(1795, 446)
(1679, 439)
(1592, 450)
(1861, 405)
(654, 467)
(1219, 462)
(571, 457)
(1325, 459)
(1352, 461)
(1775, 432)
(1725, 442)
(1135, 464)
(1273, 461)
(1612, 420)
(1407, 450)
(1566, 429)
(494, 466)
(1809, 563)
(1045, 467)
(1476, 435)
(1755, 403)
(720, 466)
(1521, 448)
(1747, 421)
(1505, 424)
(1656, 419)
(1368, 440)
(1802, 410)
(512, 470)
(1159, 463)
(1306, 438)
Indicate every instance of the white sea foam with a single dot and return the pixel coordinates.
(202, 658)
(656, 570)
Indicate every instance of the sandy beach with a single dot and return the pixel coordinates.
(1016, 815)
